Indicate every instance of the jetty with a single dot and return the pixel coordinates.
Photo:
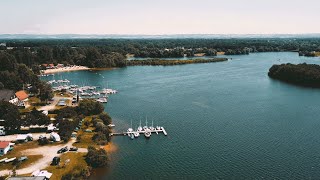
(129, 133)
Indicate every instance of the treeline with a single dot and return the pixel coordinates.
(16, 75)
(299, 74)
(13, 119)
(112, 52)
(159, 62)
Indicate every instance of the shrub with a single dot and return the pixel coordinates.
(96, 157)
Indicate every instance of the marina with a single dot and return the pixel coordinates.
(147, 133)
(84, 91)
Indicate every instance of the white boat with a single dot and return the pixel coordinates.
(102, 100)
(147, 133)
(111, 125)
(130, 130)
(151, 127)
(136, 134)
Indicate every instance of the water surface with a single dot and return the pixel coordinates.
(225, 120)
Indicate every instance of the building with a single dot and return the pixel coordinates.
(19, 98)
(4, 147)
(27, 178)
(22, 98)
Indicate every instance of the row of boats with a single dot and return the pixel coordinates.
(94, 92)
(147, 131)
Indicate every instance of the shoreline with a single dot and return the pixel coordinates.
(65, 69)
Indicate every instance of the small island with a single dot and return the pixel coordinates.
(307, 75)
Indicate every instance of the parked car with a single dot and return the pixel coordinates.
(73, 149)
(88, 130)
(23, 158)
(62, 150)
(55, 161)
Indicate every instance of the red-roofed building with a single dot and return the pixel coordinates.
(22, 95)
(21, 98)
(4, 147)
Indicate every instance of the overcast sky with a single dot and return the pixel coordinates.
(159, 16)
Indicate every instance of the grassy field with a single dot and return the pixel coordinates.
(17, 152)
(75, 160)
(86, 137)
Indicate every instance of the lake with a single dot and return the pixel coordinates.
(225, 120)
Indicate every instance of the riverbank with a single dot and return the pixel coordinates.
(160, 62)
(65, 69)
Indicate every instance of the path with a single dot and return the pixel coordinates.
(52, 106)
(48, 153)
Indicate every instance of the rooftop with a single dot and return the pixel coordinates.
(4, 144)
(22, 95)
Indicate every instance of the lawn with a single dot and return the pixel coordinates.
(86, 137)
(75, 160)
(16, 152)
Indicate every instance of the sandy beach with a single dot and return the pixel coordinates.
(110, 147)
(65, 69)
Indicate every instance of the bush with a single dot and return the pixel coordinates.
(43, 141)
(100, 138)
(78, 172)
(96, 157)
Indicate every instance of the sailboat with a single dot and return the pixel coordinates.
(146, 126)
(147, 132)
(151, 127)
(139, 127)
(130, 130)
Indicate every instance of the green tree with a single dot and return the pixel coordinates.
(105, 118)
(7, 62)
(96, 157)
(11, 116)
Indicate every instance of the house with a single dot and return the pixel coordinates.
(4, 147)
(22, 98)
(7, 95)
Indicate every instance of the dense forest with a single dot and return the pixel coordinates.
(300, 74)
(112, 52)
(16, 76)
(18, 56)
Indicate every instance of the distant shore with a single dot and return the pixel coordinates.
(65, 69)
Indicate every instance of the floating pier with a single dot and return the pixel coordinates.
(130, 133)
